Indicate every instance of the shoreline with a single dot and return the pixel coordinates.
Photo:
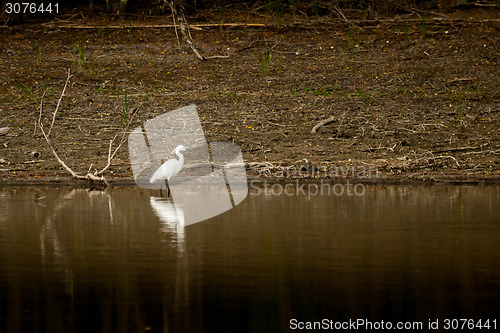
(403, 180)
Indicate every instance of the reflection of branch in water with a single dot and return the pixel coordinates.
(101, 196)
(48, 226)
(110, 208)
(49, 232)
(49, 238)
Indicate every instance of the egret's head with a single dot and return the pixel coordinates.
(180, 148)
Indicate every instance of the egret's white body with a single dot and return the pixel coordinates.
(171, 167)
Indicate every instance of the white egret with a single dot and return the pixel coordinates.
(170, 168)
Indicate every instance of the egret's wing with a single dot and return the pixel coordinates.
(156, 175)
(164, 171)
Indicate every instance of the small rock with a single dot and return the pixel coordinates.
(4, 130)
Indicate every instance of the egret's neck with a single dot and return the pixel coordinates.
(181, 157)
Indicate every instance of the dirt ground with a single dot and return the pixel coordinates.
(414, 96)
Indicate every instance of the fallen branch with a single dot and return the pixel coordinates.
(449, 150)
(33, 161)
(372, 149)
(436, 158)
(483, 152)
(273, 123)
(322, 123)
(217, 56)
(175, 25)
(461, 80)
(445, 156)
(4, 130)
(200, 26)
(97, 175)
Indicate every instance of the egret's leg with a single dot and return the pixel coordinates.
(161, 194)
(168, 193)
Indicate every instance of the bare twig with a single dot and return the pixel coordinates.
(415, 10)
(175, 24)
(40, 116)
(483, 152)
(58, 103)
(461, 80)
(4, 130)
(478, 4)
(33, 161)
(122, 140)
(322, 123)
(341, 14)
(455, 149)
(187, 25)
(407, 129)
(109, 156)
(217, 56)
(184, 27)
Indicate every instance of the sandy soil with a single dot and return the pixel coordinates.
(411, 100)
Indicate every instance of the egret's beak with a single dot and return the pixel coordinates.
(189, 150)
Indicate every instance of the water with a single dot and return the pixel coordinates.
(74, 260)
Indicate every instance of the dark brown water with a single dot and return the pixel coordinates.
(92, 261)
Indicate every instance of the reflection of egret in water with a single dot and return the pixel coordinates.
(171, 215)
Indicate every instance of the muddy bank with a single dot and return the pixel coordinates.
(411, 99)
